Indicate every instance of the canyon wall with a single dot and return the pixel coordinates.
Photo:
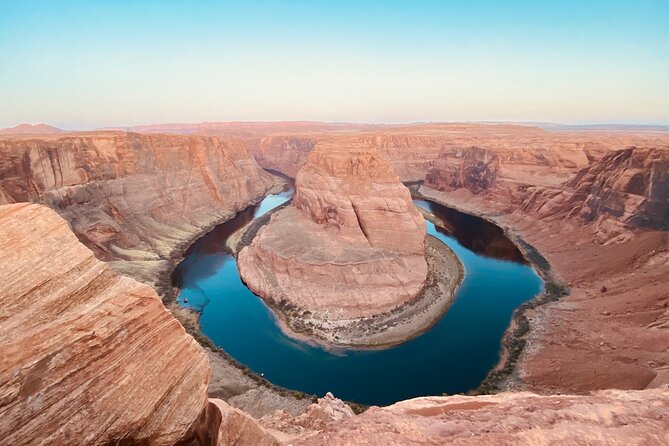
(133, 199)
(88, 356)
(603, 234)
(627, 187)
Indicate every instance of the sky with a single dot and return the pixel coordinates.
(88, 64)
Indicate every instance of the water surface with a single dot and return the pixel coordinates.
(452, 357)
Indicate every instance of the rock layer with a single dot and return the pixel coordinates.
(629, 186)
(609, 417)
(88, 356)
(131, 198)
(351, 245)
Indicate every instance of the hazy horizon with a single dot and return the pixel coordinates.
(86, 65)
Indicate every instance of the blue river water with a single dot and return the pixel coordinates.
(452, 357)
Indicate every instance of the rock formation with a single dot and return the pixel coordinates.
(88, 356)
(626, 187)
(351, 245)
(609, 417)
(133, 199)
(476, 170)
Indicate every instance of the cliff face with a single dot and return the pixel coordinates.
(133, 198)
(351, 245)
(88, 356)
(629, 187)
(527, 155)
(357, 193)
(474, 169)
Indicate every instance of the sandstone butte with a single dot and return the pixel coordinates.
(592, 203)
(351, 245)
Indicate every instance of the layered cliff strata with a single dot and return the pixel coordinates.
(88, 356)
(133, 199)
(527, 155)
(351, 247)
(625, 189)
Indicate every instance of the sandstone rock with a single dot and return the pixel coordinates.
(476, 170)
(87, 356)
(222, 425)
(133, 199)
(317, 416)
(352, 244)
(625, 189)
(608, 417)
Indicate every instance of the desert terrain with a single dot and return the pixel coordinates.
(93, 223)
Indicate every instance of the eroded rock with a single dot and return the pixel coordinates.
(608, 417)
(88, 356)
(351, 245)
(133, 199)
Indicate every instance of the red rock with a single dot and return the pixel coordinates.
(352, 244)
(87, 356)
(608, 417)
(133, 199)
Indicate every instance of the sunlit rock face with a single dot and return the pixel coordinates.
(131, 198)
(357, 193)
(625, 190)
(613, 417)
(88, 356)
(351, 245)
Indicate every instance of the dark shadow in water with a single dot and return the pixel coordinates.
(474, 233)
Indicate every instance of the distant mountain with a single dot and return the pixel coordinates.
(37, 129)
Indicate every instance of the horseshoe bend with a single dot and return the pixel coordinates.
(352, 223)
(351, 248)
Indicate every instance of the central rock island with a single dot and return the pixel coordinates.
(348, 261)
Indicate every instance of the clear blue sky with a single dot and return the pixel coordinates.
(84, 64)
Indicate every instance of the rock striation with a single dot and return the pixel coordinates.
(88, 356)
(133, 199)
(607, 417)
(628, 187)
(351, 245)
(474, 169)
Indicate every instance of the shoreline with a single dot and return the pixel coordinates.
(230, 380)
(413, 318)
(390, 329)
(515, 336)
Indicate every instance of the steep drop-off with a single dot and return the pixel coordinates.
(626, 189)
(88, 356)
(133, 199)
